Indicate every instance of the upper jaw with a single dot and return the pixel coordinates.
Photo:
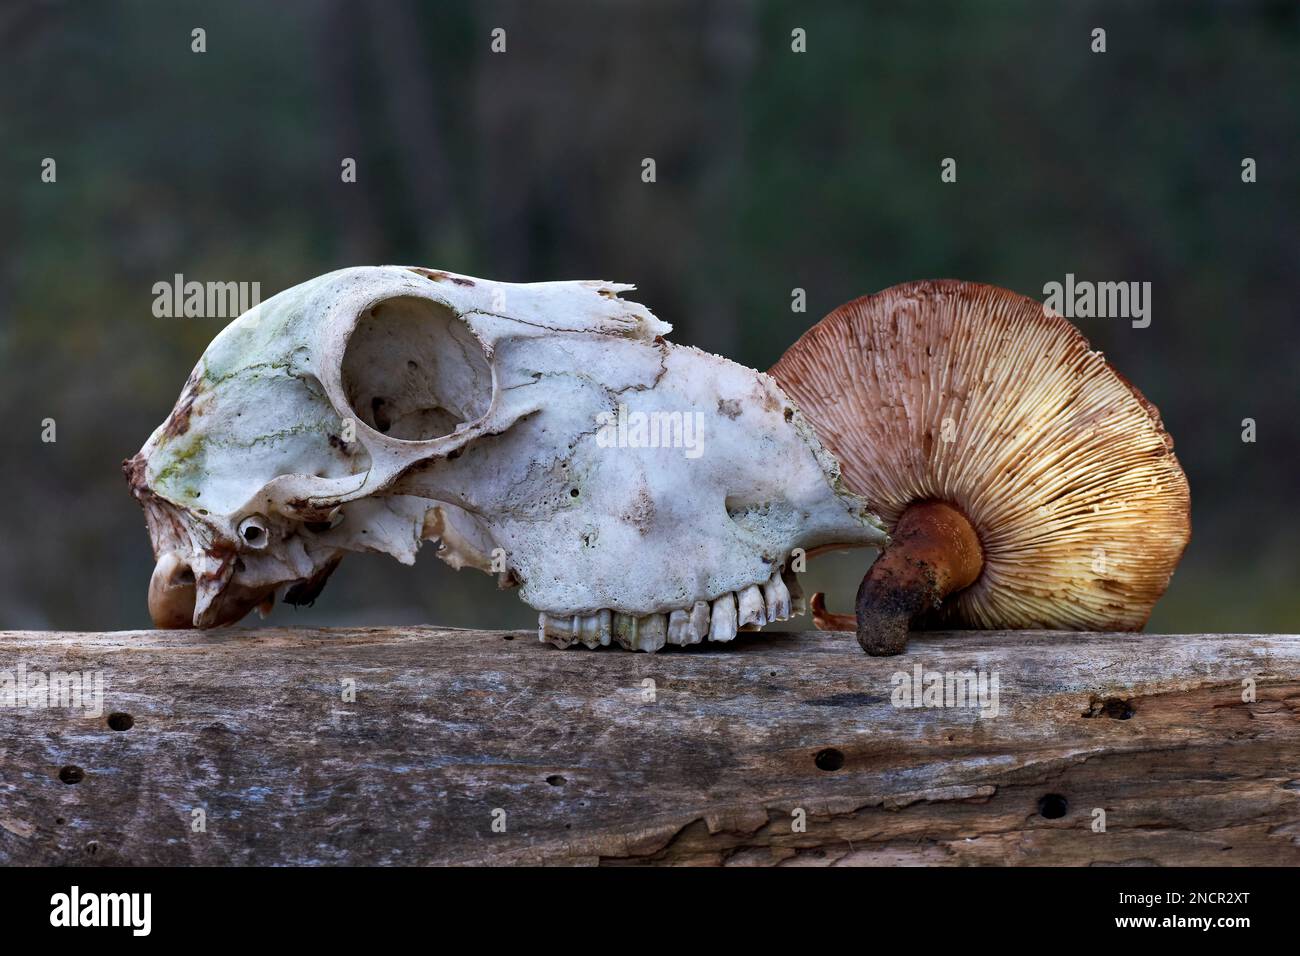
(834, 518)
(765, 602)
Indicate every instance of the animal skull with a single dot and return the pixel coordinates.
(371, 409)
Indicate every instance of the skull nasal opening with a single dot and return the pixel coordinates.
(413, 371)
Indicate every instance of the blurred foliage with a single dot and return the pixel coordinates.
(776, 170)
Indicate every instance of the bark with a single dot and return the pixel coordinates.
(697, 756)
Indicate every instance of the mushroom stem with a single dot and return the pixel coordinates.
(933, 552)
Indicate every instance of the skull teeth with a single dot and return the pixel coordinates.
(753, 612)
(594, 630)
(798, 604)
(777, 599)
(701, 614)
(652, 632)
(723, 625)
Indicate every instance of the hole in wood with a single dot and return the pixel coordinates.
(829, 760)
(120, 721)
(1053, 806)
(1116, 708)
(71, 774)
(555, 780)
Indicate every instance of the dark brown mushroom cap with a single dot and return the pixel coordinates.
(980, 397)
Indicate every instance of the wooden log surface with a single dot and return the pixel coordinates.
(778, 749)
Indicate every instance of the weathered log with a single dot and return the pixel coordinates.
(1190, 744)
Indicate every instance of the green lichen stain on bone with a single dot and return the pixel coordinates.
(246, 424)
(259, 337)
(210, 381)
(183, 467)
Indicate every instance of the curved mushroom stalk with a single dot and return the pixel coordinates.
(933, 553)
(1025, 483)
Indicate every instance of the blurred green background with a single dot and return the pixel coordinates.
(776, 170)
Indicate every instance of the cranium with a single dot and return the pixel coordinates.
(371, 409)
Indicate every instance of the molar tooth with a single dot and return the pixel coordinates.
(557, 630)
(588, 630)
(624, 631)
(723, 618)
(679, 626)
(798, 605)
(652, 632)
(604, 626)
(699, 625)
(777, 597)
(751, 607)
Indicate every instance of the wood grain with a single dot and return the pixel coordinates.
(714, 762)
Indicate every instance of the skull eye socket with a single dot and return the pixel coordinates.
(414, 371)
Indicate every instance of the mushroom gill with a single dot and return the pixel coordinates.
(1026, 483)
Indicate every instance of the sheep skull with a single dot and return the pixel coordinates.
(634, 489)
